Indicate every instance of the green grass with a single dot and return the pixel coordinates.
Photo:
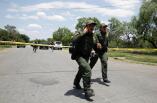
(5, 46)
(143, 58)
(140, 57)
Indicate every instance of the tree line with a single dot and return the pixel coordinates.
(139, 32)
(11, 34)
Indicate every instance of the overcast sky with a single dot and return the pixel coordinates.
(39, 18)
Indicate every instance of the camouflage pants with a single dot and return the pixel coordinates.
(84, 72)
(103, 59)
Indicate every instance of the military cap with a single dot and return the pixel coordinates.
(103, 25)
(89, 22)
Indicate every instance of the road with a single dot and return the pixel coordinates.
(47, 77)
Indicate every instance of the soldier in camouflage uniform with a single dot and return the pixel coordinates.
(102, 37)
(85, 43)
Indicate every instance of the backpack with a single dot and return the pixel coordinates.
(73, 50)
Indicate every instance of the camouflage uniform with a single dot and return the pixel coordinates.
(85, 45)
(102, 54)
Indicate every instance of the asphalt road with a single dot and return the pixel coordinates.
(47, 77)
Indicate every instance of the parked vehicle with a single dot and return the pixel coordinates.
(44, 46)
(57, 45)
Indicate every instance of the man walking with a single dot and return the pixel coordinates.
(101, 53)
(83, 49)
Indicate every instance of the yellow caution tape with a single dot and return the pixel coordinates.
(112, 49)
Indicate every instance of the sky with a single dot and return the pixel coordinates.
(40, 18)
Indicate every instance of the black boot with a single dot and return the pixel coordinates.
(89, 93)
(106, 80)
(77, 86)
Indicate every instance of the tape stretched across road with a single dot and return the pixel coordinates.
(112, 49)
(22, 43)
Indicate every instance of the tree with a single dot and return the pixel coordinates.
(50, 40)
(147, 22)
(82, 21)
(24, 37)
(11, 34)
(11, 29)
(129, 33)
(4, 35)
(63, 34)
(116, 31)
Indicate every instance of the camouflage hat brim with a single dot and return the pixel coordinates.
(90, 22)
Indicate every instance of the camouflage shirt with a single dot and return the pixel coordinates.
(85, 43)
(103, 40)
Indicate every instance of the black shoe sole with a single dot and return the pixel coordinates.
(75, 87)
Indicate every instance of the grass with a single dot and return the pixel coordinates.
(147, 57)
(143, 58)
(5, 46)
(2, 47)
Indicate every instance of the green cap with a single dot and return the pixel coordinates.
(90, 22)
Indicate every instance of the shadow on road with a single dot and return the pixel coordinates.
(77, 93)
(98, 80)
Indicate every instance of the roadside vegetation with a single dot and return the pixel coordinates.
(5, 46)
(135, 55)
(2, 47)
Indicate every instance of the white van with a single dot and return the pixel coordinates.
(57, 45)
